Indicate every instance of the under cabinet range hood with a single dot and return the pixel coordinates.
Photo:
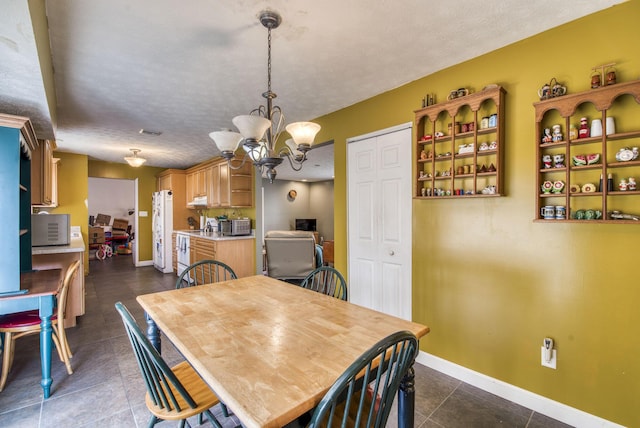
(198, 201)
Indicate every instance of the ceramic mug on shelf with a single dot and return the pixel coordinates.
(548, 212)
(561, 212)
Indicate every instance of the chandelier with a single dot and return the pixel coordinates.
(260, 130)
(134, 160)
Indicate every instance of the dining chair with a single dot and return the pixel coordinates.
(362, 396)
(205, 272)
(173, 393)
(327, 280)
(20, 324)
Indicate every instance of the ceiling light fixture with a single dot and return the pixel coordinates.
(134, 160)
(261, 128)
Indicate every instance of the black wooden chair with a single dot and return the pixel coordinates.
(205, 272)
(362, 396)
(173, 393)
(326, 280)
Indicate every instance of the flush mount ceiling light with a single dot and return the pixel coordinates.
(261, 128)
(134, 160)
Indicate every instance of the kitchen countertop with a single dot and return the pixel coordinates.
(76, 246)
(214, 236)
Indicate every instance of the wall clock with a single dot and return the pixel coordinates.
(292, 194)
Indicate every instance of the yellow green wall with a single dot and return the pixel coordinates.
(489, 282)
(73, 191)
(146, 186)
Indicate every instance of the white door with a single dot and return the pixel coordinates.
(379, 220)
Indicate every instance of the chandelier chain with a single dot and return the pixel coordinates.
(269, 61)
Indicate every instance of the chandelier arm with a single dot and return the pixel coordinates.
(240, 165)
(295, 161)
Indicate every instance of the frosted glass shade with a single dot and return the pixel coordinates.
(303, 132)
(251, 127)
(227, 141)
(134, 160)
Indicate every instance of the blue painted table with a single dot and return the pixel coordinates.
(42, 287)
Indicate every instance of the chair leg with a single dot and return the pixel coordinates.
(153, 421)
(62, 347)
(212, 419)
(7, 357)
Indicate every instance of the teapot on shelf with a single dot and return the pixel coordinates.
(551, 90)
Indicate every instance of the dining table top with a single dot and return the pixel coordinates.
(270, 350)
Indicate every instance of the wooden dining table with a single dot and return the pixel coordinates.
(37, 290)
(270, 350)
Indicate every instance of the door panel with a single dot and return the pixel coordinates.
(379, 224)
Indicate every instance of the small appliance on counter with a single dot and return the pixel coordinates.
(50, 229)
(235, 227)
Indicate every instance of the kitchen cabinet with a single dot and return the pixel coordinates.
(572, 169)
(61, 257)
(237, 253)
(460, 146)
(43, 174)
(175, 180)
(223, 187)
(174, 253)
(17, 142)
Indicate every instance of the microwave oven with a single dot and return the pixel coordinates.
(50, 229)
(236, 227)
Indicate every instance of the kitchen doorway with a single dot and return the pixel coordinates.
(115, 198)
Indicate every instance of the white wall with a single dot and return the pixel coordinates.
(112, 196)
(314, 200)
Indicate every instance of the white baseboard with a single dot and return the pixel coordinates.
(144, 263)
(535, 402)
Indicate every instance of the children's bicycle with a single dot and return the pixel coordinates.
(104, 251)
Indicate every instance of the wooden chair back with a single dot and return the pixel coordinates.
(163, 387)
(205, 272)
(326, 280)
(362, 396)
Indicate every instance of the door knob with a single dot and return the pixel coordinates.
(391, 253)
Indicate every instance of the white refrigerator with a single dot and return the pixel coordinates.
(162, 225)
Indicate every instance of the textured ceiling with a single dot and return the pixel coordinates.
(186, 68)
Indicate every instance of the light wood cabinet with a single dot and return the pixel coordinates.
(239, 254)
(224, 187)
(460, 147)
(572, 170)
(42, 174)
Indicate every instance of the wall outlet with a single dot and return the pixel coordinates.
(543, 360)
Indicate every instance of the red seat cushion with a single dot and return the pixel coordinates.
(23, 319)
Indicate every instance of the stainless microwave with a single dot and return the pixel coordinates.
(50, 229)
(236, 227)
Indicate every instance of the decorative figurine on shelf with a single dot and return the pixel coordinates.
(573, 132)
(483, 147)
(493, 145)
(557, 134)
(546, 161)
(423, 155)
(558, 160)
(632, 184)
(547, 138)
(623, 185)
(584, 131)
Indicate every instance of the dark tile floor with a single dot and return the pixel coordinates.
(106, 389)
